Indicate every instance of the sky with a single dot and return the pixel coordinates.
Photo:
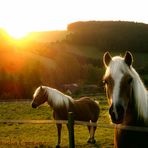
(19, 17)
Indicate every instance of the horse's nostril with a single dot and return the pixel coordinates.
(112, 114)
(120, 110)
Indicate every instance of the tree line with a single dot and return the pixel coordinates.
(114, 35)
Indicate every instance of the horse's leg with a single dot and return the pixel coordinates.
(88, 141)
(93, 134)
(92, 130)
(88, 128)
(59, 127)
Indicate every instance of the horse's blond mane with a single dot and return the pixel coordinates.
(58, 98)
(141, 95)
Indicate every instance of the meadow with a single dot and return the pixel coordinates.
(45, 135)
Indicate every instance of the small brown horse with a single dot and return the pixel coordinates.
(84, 109)
(128, 100)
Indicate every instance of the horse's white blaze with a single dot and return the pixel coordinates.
(115, 96)
(36, 92)
(116, 73)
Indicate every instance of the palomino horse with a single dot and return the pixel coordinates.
(84, 109)
(128, 100)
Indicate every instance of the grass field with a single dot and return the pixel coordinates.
(45, 135)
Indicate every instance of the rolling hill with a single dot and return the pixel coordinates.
(48, 36)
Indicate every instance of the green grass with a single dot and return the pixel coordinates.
(45, 135)
(23, 110)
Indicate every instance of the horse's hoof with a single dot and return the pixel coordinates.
(57, 146)
(91, 141)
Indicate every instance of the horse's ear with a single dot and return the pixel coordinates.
(128, 58)
(106, 59)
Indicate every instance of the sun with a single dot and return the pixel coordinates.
(20, 17)
(17, 34)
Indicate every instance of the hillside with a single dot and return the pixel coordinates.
(67, 57)
(14, 61)
(21, 72)
(48, 36)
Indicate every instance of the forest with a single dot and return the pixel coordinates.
(73, 56)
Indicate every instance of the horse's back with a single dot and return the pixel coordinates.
(86, 109)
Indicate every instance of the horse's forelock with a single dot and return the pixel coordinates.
(118, 68)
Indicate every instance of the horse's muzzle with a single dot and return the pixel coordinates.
(117, 114)
(34, 105)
